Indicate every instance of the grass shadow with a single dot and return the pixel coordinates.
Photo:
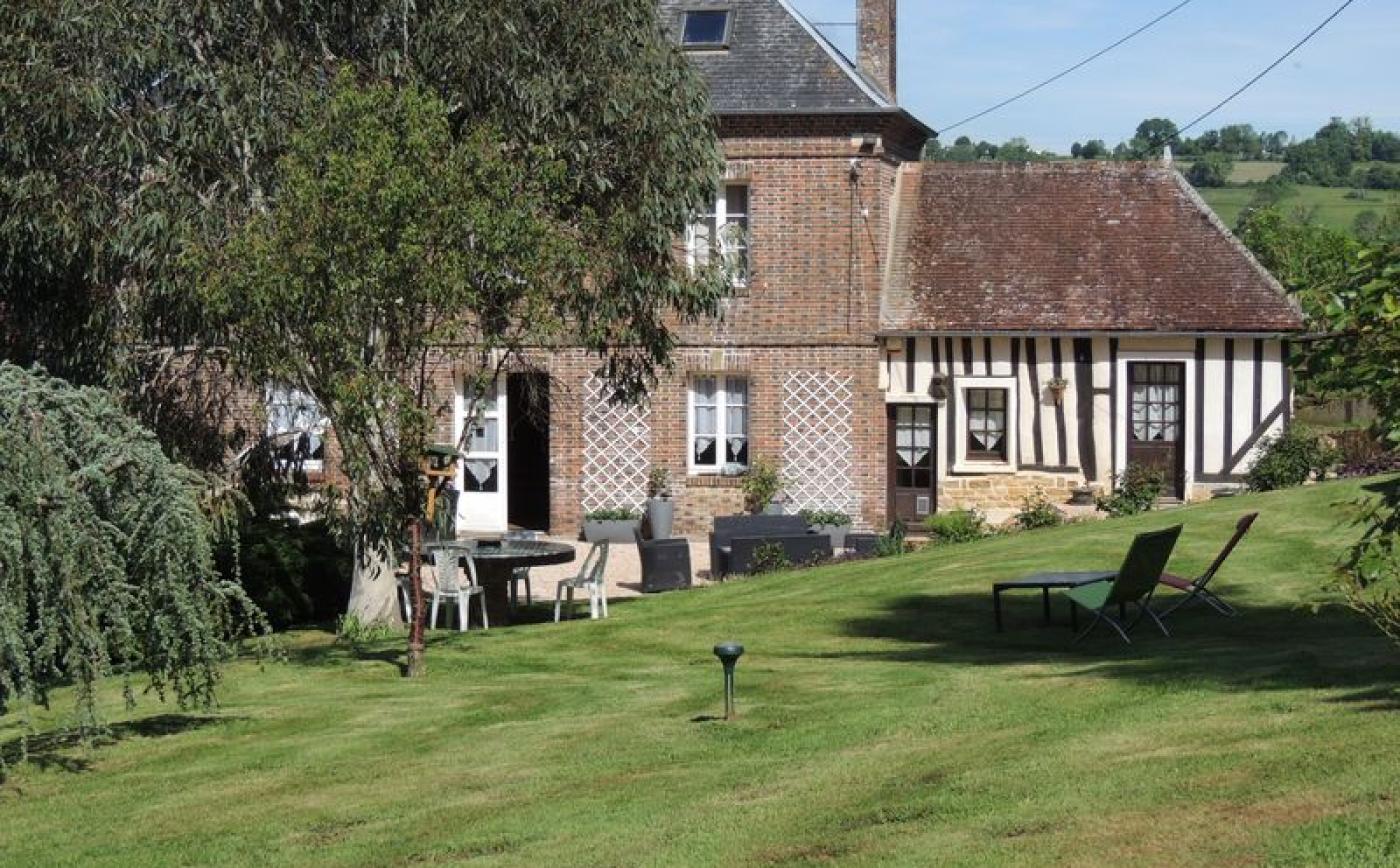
(52, 750)
(1266, 647)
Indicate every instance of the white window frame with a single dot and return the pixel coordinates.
(738, 280)
(306, 399)
(721, 422)
(961, 463)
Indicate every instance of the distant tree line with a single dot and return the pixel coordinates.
(1340, 154)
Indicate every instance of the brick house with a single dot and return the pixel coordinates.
(894, 326)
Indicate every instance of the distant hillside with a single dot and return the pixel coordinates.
(1334, 207)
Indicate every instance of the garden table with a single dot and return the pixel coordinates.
(496, 562)
(1044, 582)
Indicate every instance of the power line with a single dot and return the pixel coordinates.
(1268, 69)
(1059, 75)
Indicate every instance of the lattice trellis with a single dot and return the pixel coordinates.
(818, 441)
(616, 450)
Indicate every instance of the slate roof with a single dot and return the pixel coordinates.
(1069, 247)
(776, 62)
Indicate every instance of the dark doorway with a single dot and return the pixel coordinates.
(1156, 420)
(527, 491)
(911, 457)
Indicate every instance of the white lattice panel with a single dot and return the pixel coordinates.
(616, 450)
(818, 441)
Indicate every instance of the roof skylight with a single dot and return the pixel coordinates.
(705, 28)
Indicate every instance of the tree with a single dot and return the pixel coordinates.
(106, 555)
(1365, 316)
(1151, 136)
(1211, 170)
(1094, 149)
(113, 162)
(1239, 141)
(393, 238)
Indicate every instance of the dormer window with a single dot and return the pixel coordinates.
(705, 28)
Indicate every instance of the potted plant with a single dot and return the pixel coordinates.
(1057, 386)
(618, 524)
(832, 522)
(761, 485)
(661, 509)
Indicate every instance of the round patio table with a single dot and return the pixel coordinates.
(496, 562)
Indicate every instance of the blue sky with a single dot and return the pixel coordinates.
(957, 57)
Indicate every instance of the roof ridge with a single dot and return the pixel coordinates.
(841, 61)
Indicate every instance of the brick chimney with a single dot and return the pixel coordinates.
(875, 42)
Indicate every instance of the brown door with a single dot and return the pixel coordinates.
(1156, 420)
(911, 459)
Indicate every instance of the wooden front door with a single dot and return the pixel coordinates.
(911, 458)
(1157, 421)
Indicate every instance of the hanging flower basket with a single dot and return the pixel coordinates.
(1057, 386)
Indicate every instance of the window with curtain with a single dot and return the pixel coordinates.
(986, 424)
(721, 235)
(719, 423)
(296, 427)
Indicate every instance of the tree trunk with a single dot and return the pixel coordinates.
(417, 667)
(373, 587)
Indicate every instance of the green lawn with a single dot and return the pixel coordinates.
(1333, 208)
(882, 721)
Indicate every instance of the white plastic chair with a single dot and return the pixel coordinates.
(589, 579)
(451, 587)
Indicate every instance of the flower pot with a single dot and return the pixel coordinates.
(661, 515)
(612, 530)
(1057, 393)
(837, 532)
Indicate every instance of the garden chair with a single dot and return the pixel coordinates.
(1133, 584)
(451, 587)
(1196, 590)
(521, 574)
(589, 579)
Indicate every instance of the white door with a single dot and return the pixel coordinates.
(481, 477)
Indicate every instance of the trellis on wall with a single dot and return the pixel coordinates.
(818, 441)
(616, 450)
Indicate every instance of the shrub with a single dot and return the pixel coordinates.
(1135, 490)
(1290, 459)
(769, 558)
(659, 482)
(761, 485)
(955, 526)
(296, 573)
(619, 513)
(825, 517)
(1038, 511)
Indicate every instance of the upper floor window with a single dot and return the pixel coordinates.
(296, 427)
(721, 235)
(719, 424)
(705, 28)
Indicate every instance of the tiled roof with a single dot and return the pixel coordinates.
(776, 62)
(1069, 247)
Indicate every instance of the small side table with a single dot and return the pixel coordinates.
(1044, 582)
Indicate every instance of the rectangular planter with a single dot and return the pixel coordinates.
(612, 530)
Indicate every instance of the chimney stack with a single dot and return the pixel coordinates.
(875, 42)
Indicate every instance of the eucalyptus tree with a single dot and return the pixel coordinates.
(106, 555)
(134, 135)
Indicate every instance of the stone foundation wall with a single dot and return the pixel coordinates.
(1002, 492)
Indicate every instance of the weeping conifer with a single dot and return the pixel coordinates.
(106, 555)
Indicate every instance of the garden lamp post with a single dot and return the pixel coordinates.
(728, 654)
